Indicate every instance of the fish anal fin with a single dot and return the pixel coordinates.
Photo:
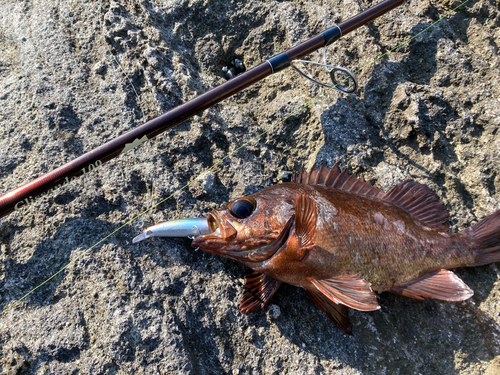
(442, 284)
(338, 314)
(348, 290)
(305, 224)
(259, 289)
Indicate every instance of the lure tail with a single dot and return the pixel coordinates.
(485, 237)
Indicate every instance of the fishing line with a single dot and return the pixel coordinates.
(312, 101)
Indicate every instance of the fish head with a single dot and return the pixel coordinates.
(247, 227)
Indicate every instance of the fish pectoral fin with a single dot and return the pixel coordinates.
(259, 289)
(305, 224)
(348, 290)
(338, 314)
(442, 284)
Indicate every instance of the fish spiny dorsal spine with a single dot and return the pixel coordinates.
(413, 197)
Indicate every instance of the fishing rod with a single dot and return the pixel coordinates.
(47, 183)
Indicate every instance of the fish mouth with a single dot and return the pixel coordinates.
(213, 222)
(219, 241)
(222, 233)
(219, 228)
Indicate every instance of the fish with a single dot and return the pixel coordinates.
(344, 240)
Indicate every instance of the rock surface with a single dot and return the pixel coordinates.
(74, 74)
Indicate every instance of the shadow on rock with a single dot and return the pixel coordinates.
(405, 336)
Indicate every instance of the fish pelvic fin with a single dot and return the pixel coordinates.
(442, 284)
(348, 290)
(305, 224)
(485, 237)
(338, 314)
(259, 289)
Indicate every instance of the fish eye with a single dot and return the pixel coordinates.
(242, 207)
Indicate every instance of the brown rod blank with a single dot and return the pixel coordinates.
(50, 181)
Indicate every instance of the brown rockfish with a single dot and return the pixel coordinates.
(342, 240)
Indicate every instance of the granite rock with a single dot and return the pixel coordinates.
(73, 75)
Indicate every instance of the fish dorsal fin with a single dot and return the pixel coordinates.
(259, 289)
(413, 197)
(305, 224)
(442, 284)
(348, 290)
(338, 179)
(421, 202)
(338, 314)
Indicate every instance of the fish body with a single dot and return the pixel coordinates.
(342, 239)
(357, 235)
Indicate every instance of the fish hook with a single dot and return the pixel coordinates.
(332, 70)
(195, 227)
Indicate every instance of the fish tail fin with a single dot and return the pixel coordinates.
(485, 237)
